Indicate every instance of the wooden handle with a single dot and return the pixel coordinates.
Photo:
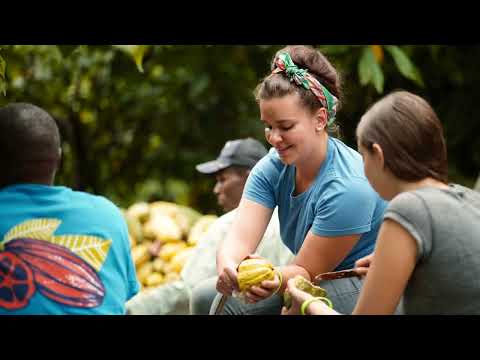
(334, 275)
(221, 304)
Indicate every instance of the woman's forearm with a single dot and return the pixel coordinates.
(319, 308)
(230, 253)
(245, 234)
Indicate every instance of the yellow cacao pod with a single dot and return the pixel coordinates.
(140, 254)
(168, 251)
(253, 271)
(154, 279)
(144, 271)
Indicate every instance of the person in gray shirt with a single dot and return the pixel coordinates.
(428, 248)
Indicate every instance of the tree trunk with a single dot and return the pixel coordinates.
(85, 178)
(477, 184)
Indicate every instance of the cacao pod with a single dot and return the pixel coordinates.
(252, 272)
(303, 284)
(168, 251)
(154, 279)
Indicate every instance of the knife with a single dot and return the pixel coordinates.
(334, 275)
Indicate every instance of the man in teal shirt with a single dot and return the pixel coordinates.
(61, 251)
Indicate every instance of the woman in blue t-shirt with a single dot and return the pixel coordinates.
(329, 215)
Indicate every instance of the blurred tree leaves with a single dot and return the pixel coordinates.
(405, 65)
(3, 83)
(136, 119)
(137, 52)
(372, 65)
(66, 50)
(369, 70)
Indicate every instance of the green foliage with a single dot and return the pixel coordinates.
(369, 70)
(3, 84)
(2, 68)
(67, 50)
(136, 132)
(405, 65)
(137, 52)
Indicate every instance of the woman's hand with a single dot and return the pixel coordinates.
(362, 265)
(227, 280)
(298, 298)
(266, 289)
(318, 307)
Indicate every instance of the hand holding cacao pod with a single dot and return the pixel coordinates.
(304, 285)
(252, 272)
(227, 281)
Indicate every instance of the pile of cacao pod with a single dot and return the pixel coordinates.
(162, 238)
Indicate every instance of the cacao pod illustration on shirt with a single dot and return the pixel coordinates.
(16, 282)
(63, 269)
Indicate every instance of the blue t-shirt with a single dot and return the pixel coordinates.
(63, 252)
(340, 202)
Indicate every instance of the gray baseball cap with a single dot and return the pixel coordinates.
(241, 152)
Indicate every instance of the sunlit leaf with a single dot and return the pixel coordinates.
(137, 52)
(404, 64)
(3, 87)
(3, 65)
(369, 70)
(364, 69)
(378, 52)
(378, 78)
(138, 55)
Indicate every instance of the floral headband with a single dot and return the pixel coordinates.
(284, 63)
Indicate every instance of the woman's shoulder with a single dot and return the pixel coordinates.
(436, 199)
(406, 201)
(344, 161)
(341, 183)
(466, 193)
(343, 148)
(454, 196)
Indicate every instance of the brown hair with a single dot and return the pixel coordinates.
(306, 57)
(410, 135)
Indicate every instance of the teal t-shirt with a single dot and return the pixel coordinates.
(340, 202)
(63, 252)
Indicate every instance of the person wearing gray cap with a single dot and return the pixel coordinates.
(195, 291)
(231, 169)
(240, 152)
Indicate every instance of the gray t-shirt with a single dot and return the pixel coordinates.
(446, 227)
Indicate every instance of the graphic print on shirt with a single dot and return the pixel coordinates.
(62, 268)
